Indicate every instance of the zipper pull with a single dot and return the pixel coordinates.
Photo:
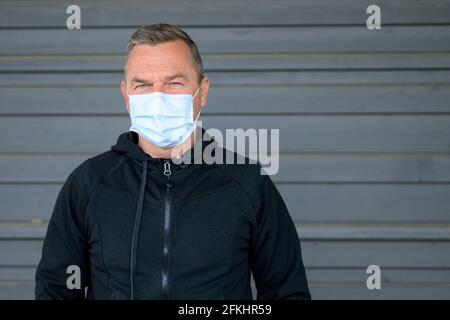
(167, 172)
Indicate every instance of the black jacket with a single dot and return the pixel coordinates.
(146, 228)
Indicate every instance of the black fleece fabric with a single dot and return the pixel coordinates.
(145, 228)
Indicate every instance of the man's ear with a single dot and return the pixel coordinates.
(123, 89)
(204, 88)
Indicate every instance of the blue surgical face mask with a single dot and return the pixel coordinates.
(165, 120)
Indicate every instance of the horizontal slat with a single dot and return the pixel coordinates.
(293, 168)
(222, 12)
(272, 78)
(315, 275)
(17, 273)
(342, 254)
(26, 202)
(23, 253)
(426, 133)
(307, 231)
(345, 203)
(14, 231)
(385, 254)
(373, 232)
(388, 276)
(18, 290)
(360, 292)
(224, 99)
(337, 168)
(366, 203)
(257, 62)
(38, 168)
(237, 40)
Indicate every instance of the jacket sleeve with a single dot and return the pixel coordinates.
(275, 254)
(65, 246)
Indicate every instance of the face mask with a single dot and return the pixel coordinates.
(163, 119)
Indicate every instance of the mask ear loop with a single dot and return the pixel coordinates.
(198, 115)
(199, 111)
(193, 97)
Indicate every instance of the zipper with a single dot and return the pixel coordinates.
(167, 219)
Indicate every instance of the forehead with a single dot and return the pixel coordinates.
(161, 59)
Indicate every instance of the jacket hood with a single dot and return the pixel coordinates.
(127, 144)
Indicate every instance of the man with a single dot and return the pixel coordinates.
(131, 223)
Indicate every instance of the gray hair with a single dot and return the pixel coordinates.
(161, 33)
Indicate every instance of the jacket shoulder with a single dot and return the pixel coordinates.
(92, 171)
(245, 172)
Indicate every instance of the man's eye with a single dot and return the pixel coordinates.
(141, 86)
(176, 83)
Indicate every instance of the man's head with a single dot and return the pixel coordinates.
(163, 58)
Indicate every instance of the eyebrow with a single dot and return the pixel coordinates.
(177, 75)
(135, 79)
(166, 79)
